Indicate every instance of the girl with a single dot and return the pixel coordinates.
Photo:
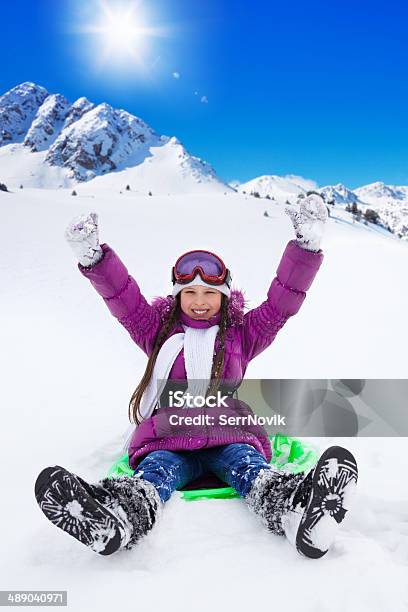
(199, 338)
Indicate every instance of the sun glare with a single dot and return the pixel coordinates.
(120, 34)
(123, 31)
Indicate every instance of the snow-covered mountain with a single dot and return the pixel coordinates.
(275, 187)
(48, 142)
(18, 108)
(390, 202)
(338, 194)
(47, 123)
(100, 141)
(45, 141)
(380, 191)
(77, 109)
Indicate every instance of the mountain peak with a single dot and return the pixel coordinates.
(81, 141)
(47, 122)
(280, 188)
(339, 194)
(27, 88)
(18, 107)
(377, 189)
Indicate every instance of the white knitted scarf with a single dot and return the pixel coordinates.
(198, 357)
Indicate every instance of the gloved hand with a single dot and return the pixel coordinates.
(309, 220)
(82, 235)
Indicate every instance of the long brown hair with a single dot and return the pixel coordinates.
(217, 366)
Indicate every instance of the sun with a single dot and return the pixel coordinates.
(123, 30)
(120, 34)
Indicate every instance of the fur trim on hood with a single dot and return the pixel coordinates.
(235, 312)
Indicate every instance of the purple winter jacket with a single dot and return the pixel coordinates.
(246, 337)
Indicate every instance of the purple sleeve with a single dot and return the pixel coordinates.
(294, 275)
(122, 296)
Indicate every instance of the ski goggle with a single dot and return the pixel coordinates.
(209, 266)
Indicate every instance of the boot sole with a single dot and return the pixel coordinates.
(333, 484)
(67, 504)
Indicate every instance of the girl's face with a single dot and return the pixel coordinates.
(200, 302)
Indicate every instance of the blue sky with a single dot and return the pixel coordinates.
(315, 88)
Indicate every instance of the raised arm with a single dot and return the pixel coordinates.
(294, 275)
(109, 276)
(299, 264)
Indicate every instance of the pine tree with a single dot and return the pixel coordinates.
(3, 187)
(74, 193)
(355, 211)
(372, 216)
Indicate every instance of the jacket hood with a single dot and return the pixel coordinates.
(235, 311)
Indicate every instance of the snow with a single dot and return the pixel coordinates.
(339, 193)
(278, 187)
(20, 166)
(81, 141)
(78, 108)
(18, 107)
(47, 123)
(165, 168)
(69, 370)
(380, 190)
(389, 201)
(100, 141)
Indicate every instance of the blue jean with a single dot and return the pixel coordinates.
(235, 464)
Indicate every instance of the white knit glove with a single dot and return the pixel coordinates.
(309, 220)
(83, 237)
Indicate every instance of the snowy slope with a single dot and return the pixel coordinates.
(380, 191)
(20, 166)
(69, 370)
(389, 201)
(81, 141)
(101, 141)
(47, 123)
(18, 108)
(168, 169)
(280, 188)
(339, 194)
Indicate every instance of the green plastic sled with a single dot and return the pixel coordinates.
(290, 455)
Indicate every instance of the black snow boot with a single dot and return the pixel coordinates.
(108, 516)
(309, 508)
